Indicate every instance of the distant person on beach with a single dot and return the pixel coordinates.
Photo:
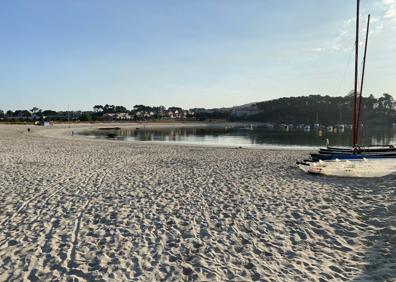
(28, 129)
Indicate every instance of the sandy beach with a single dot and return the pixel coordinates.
(88, 210)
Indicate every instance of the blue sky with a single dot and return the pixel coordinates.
(206, 53)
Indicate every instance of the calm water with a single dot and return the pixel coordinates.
(245, 137)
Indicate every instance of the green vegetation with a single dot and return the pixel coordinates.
(305, 110)
(326, 110)
(323, 109)
(99, 113)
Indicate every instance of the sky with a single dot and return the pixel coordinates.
(206, 53)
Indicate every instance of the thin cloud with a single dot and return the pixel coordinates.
(390, 10)
(314, 50)
(383, 20)
(391, 14)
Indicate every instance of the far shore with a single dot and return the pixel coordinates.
(152, 125)
(71, 131)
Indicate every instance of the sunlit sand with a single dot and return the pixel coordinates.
(91, 210)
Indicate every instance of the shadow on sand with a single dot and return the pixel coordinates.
(374, 200)
(381, 241)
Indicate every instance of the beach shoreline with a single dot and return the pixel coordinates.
(74, 208)
(73, 132)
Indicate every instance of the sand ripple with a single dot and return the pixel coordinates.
(112, 211)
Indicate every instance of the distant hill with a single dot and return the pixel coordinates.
(311, 109)
(326, 109)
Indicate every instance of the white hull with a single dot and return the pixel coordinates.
(352, 168)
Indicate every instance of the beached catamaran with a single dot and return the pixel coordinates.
(356, 161)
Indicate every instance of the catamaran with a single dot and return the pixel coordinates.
(370, 161)
(375, 167)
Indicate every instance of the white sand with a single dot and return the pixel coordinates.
(91, 210)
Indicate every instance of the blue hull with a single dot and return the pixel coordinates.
(346, 156)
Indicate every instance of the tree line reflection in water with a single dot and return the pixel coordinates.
(242, 136)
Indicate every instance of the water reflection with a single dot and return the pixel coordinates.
(247, 137)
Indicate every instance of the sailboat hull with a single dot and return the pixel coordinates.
(351, 168)
(369, 149)
(346, 155)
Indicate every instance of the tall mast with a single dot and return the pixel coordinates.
(354, 136)
(361, 82)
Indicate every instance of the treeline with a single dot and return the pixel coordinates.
(324, 110)
(99, 113)
(311, 109)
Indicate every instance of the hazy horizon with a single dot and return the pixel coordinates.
(190, 54)
(68, 108)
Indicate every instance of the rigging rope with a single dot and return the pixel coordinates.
(345, 71)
